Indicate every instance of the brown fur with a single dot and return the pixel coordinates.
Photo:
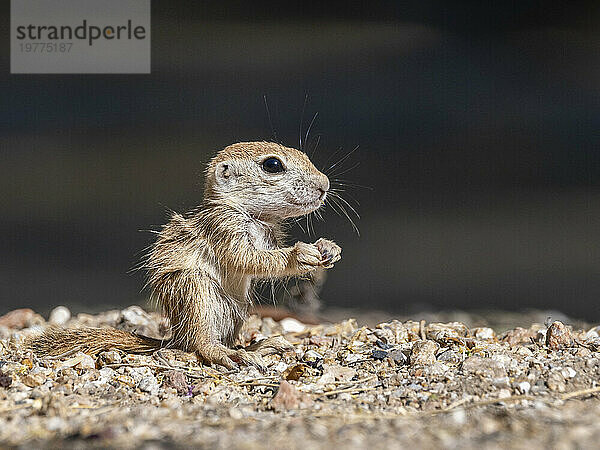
(202, 265)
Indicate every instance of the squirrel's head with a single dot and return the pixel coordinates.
(266, 179)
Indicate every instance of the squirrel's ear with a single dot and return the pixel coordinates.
(223, 172)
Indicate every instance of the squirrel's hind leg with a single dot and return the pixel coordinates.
(217, 354)
(251, 356)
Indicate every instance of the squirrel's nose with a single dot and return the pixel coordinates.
(323, 186)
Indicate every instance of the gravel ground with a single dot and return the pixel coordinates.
(389, 385)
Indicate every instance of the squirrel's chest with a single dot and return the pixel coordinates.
(237, 284)
(261, 236)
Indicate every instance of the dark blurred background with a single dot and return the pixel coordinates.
(478, 124)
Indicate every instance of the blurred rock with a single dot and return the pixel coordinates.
(393, 332)
(556, 382)
(269, 326)
(524, 387)
(484, 334)
(326, 380)
(442, 332)
(33, 380)
(59, 315)
(288, 397)
(79, 358)
(5, 380)
(339, 372)
(86, 362)
(135, 316)
(137, 320)
(21, 318)
(177, 380)
(149, 384)
(593, 333)
(485, 367)
(523, 351)
(291, 325)
(106, 375)
(450, 356)
(518, 336)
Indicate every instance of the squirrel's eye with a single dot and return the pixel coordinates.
(272, 165)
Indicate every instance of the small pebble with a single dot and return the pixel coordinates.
(74, 361)
(340, 373)
(398, 356)
(379, 354)
(235, 413)
(288, 397)
(501, 382)
(486, 367)
(291, 325)
(484, 334)
(149, 384)
(110, 357)
(423, 353)
(504, 393)
(449, 357)
(5, 380)
(86, 362)
(556, 382)
(33, 380)
(459, 417)
(558, 336)
(59, 315)
(524, 387)
(177, 380)
(312, 356)
(382, 345)
(523, 351)
(517, 336)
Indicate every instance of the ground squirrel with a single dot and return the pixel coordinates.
(201, 267)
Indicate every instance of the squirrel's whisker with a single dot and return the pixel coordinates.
(316, 145)
(309, 127)
(347, 170)
(341, 160)
(345, 213)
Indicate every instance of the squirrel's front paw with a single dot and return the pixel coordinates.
(330, 252)
(308, 257)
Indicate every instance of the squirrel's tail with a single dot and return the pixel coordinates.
(56, 341)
